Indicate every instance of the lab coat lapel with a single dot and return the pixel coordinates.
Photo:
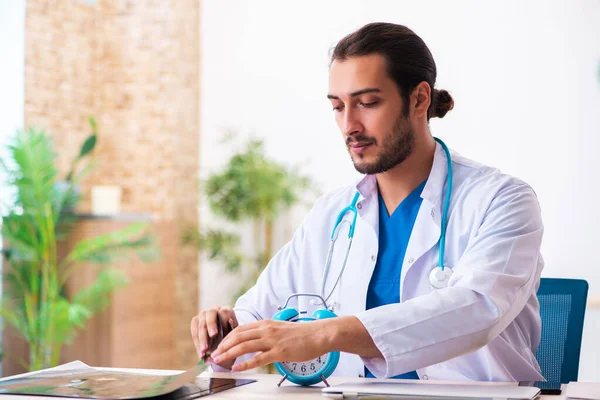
(368, 203)
(427, 228)
(364, 248)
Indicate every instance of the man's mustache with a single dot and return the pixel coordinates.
(361, 138)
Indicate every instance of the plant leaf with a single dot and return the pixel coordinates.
(88, 145)
(218, 245)
(107, 248)
(32, 171)
(92, 122)
(96, 297)
(14, 316)
(253, 186)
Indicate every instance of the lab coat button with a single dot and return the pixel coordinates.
(432, 213)
(411, 260)
(359, 206)
(373, 258)
(425, 377)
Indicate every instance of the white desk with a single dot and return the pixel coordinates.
(265, 387)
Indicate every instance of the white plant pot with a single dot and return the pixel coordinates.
(106, 200)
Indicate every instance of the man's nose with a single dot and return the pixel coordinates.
(351, 124)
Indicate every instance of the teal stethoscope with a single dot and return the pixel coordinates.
(439, 276)
(318, 369)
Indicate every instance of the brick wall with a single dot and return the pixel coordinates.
(134, 66)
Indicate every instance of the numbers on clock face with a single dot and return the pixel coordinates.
(306, 368)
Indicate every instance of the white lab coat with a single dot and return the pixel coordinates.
(484, 326)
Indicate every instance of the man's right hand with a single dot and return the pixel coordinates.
(207, 327)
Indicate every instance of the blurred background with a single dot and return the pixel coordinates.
(160, 114)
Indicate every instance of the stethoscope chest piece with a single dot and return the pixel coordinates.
(439, 277)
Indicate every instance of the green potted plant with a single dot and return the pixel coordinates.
(250, 188)
(34, 301)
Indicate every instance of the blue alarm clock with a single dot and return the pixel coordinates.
(307, 373)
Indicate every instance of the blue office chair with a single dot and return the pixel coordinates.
(562, 307)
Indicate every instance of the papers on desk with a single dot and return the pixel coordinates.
(77, 379)
(404, 390)
(583, 390)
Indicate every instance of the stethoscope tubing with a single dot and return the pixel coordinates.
(352, 208)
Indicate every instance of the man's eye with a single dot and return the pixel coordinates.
(367, 105)
(337, 108)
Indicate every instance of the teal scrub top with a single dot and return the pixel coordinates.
(394, 233)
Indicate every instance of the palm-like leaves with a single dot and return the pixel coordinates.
(35, 173)
(35, 302)
(251, 187)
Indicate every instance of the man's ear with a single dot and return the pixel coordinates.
(420, 99)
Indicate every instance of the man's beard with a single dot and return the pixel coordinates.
(396, 147)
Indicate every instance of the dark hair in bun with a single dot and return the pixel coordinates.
(409, 61)
(442, 102)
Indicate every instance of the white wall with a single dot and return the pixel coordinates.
(12, 71)
(524, 76)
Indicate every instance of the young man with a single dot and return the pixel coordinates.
(400, 313)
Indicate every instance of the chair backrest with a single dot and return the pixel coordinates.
(562, 307)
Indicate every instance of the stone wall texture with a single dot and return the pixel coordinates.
(134, 66)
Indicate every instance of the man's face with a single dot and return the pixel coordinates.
(370, 113)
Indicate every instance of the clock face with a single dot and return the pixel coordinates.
(306, 368)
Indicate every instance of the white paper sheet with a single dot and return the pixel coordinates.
(583, 390)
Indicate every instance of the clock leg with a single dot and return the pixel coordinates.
(282, 379)
(324, 380)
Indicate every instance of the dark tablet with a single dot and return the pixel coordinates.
(203, 387)
(545, 387)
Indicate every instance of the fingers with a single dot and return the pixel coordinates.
(257, 361)
(194, 331)
(244, 346)
(237, 338)
(203, 327)
(233, 321)
(210, 316)
(242, 333)
(250, 326)
(210, 326)
(203, 334)
(228, 319)
(213, 324)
